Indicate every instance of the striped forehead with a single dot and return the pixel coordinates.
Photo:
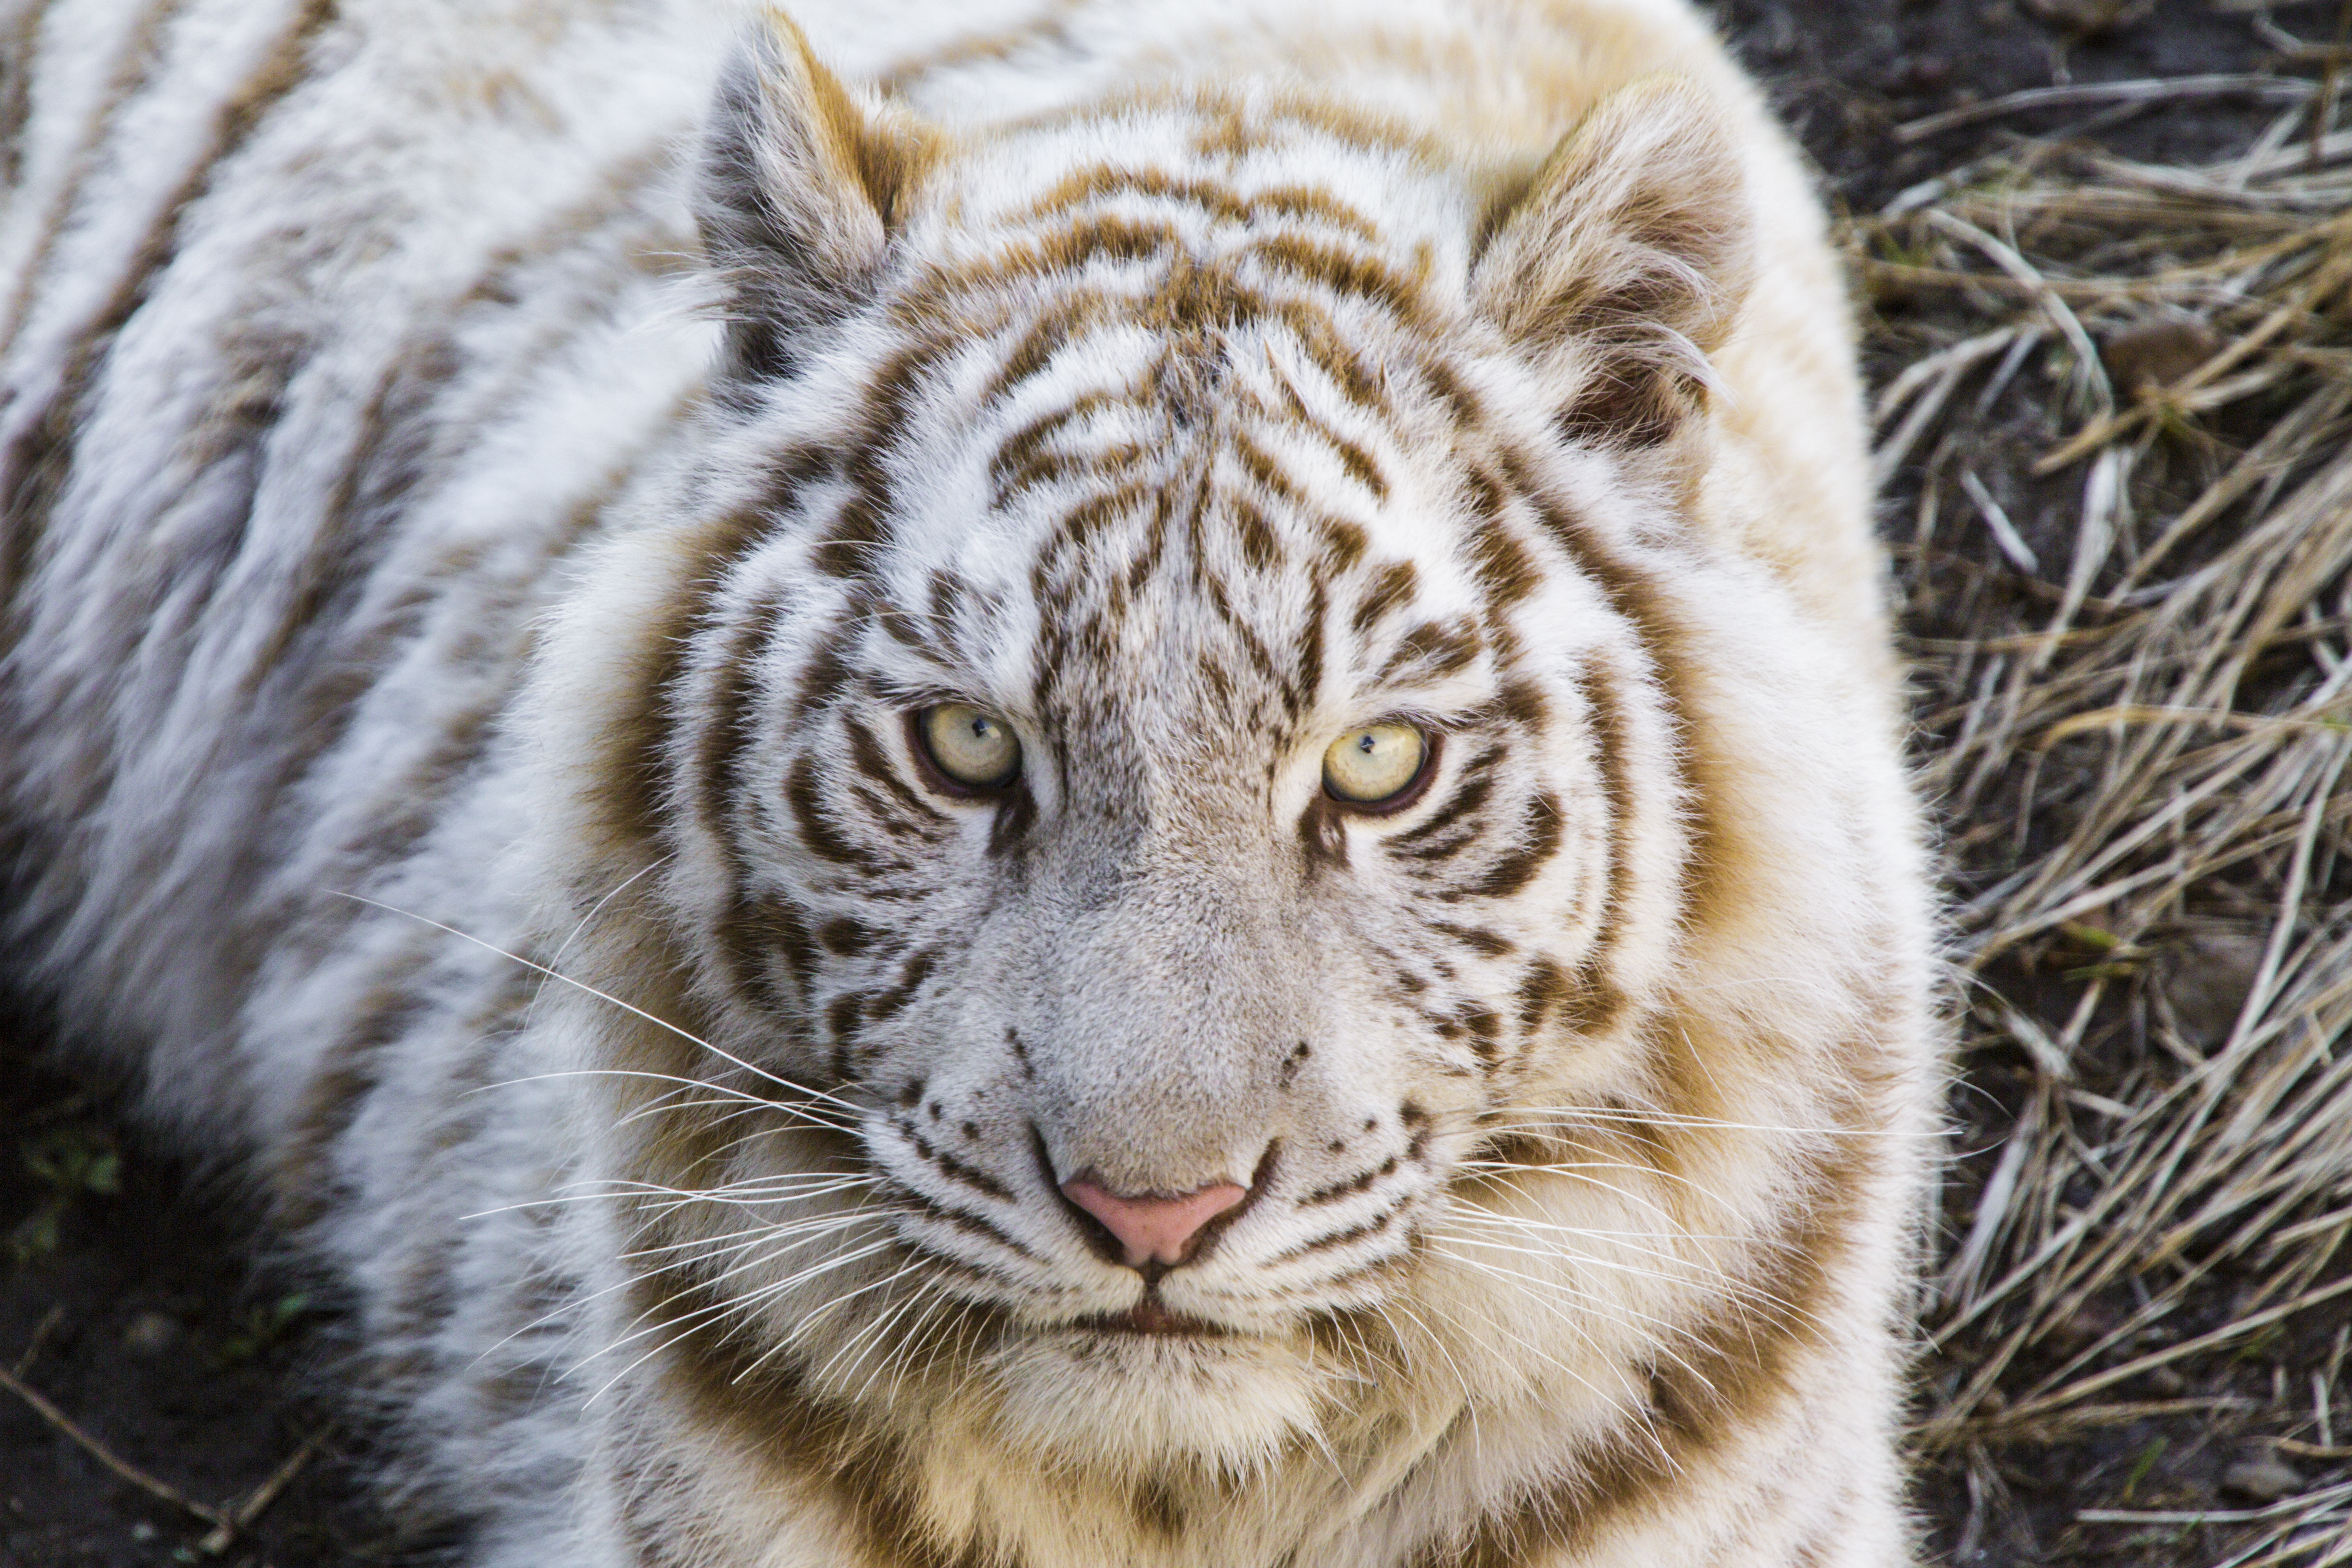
(1181, 410)
(1101, 523)
(1220, 169)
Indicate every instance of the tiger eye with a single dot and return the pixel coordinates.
(970, 746)
(1375, 764)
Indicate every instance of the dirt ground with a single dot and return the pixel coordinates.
(130, 1293)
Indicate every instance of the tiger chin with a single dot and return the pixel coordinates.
(1047, 787)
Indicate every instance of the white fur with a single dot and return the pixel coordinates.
(365, 786)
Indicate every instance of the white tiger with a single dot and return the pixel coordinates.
(1129, 798)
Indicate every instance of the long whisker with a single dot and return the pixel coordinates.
(742, 1101)
(694, 1249)
(1582, 1169)
(1555, 1240)
(1668, 1331)
(598, 908)
(748, 1192)
(738, 1305)
(1557, 1117)
(733, 1307)
(874, 1334)
(630, 1008)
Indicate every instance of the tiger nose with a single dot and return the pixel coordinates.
(1152, 1227)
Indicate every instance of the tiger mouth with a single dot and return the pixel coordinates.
(1149, 1317)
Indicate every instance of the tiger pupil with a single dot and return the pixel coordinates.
(969, 746)
(1374, 765)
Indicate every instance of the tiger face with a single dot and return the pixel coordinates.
(1164, 782)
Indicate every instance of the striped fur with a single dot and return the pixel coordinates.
(484, 485)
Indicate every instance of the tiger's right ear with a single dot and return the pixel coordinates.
(1624, 262)
(800, 187)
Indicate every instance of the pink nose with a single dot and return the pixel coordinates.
(1151, 1227)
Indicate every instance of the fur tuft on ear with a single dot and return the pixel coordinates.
(800, 184)
(1625, 259)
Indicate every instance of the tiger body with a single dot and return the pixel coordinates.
(484, 484)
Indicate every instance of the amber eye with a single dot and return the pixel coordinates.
(971, 747)
(1374, 765)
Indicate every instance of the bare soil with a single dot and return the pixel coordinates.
(138, 1297)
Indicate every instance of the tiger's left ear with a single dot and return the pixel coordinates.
(800, 188)
(1624, 262)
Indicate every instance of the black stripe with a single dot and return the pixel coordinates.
(1519, 865)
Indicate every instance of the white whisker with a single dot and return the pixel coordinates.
(630, 1008)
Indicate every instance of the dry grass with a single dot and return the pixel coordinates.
(2115, 419)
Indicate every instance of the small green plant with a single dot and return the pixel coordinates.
(70, 1161)
(2145, 1463)
(259, 1328)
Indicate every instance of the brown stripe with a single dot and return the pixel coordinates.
(630, 795)
(1022, 463)
(33, 465)
(1221, 601)
(1520, 867)
(1260, 550)
(1364, 278)
(968, 1224)
(1105, 180)
(1313, 205)
(1323, 832)
(1310, 650)
(1049, 28)
(1333, 1240)
(1039, 342)
(1344, 544)
(391, 455)
(718, 749)
(128, 75)
(1433, 649)
(1232, 127)
(1487, 944)
(1297, 202)
(17, 55)
(1473, 785)
(1543, 987)
(1358, 462)
(871, 762)
(1506, 569)
(884, 1005)
(1642, 604)
(278, 72)
(1393, 588)
(956, 1171)
(1359, 1182)
(1728, 1374)
(306, 1189)
(763, 1402)
(1268, 474)
(413, 804)
(1616, 790)
(758, 935)
(818, 832)
(1094, 239)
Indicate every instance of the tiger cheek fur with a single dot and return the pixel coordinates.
(1133, 1139)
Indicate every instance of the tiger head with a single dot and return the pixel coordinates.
(1152, 787)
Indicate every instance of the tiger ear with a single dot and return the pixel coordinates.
(800, 187)
(1624, 261)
